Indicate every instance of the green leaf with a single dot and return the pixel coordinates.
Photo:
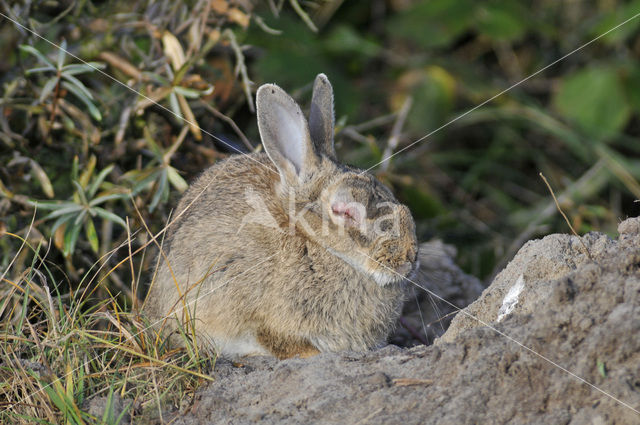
(602, 369)
(500, 22)
(78, 84)
(39, 69)
(32, 50)
(61, 53)
(100, 199)
(80, 217)
(174, 105)
(48, 88)
(70, 238)
(81, 68)
(152, 143)
(92, 235)
(62, 211)
(60, 221)
(80, 95)
(188, 93)
(80, 192)
(632, 88)
(93, 187)
(618, 15)
(51, 205)
(176, 179)
(160, 191)
(74, 168)
(108, 215)
(344, 39)
(594, 99)
(434, 23)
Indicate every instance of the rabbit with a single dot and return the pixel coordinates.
(286, 252)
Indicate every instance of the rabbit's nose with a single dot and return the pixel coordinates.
(405, 268)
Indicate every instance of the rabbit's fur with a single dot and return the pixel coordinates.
(260, 270)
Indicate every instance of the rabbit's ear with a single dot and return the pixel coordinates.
(321, 116)
(284, 133)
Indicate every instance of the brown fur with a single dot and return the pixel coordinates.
(295, 293)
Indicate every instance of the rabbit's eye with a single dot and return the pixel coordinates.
(349, 212)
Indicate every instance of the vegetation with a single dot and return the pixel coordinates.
(108, 109)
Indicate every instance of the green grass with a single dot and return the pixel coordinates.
(57, 350)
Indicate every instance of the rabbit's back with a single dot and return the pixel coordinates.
(288, 252)
(240, 275)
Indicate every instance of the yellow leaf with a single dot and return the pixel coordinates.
(173, 50)
(189, 117)
(58, 237)
(220, 6)
(239, 17)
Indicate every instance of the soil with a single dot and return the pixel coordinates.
(555, 339)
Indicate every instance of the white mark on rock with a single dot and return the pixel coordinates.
(511, 299)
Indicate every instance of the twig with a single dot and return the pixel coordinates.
(231, 123)
(303, 15)
(565, 217)
(241, 67)
(353, 134)
(392, 144)
(405, 382)
(264, 27)
(123, 65)
(585, 185)
(134, 288)
(122, 125)
(376, 122)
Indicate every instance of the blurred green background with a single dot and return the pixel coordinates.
(90, 151)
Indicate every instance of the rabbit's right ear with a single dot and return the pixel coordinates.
(321, 116)
(285, 134)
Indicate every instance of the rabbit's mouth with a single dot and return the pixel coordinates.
(385, 275)
(381, 273)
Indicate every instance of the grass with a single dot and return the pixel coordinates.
(60, 349)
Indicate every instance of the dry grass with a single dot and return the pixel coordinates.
(60, 349)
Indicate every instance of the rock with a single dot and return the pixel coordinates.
(566, 351)
(97, 406)
(425, 314)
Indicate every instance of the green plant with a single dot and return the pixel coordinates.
(64, 77)
(83, 206)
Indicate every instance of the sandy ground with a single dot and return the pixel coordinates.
(555, 339)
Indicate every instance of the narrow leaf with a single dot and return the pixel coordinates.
(92, 235)
(162, 185)
(60, 221)
(70, 239)
(100, 199)
(93, 187)
(80, 192)
(48, 88)
(80, 95)
(42, 178)
(78, 84)
(62, 211)
(36, 53)
(176, 179)
(108, 215)
(39, 69)
(81, 68)
(61, 53)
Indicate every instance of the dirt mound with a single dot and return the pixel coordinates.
(577, 313)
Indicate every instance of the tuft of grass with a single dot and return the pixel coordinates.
(59, 350)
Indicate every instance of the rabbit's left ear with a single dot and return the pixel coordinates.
(321, 116)
(285, 134)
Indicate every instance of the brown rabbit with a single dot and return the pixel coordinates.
(287, 252)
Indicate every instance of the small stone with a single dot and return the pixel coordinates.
(630, 226)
